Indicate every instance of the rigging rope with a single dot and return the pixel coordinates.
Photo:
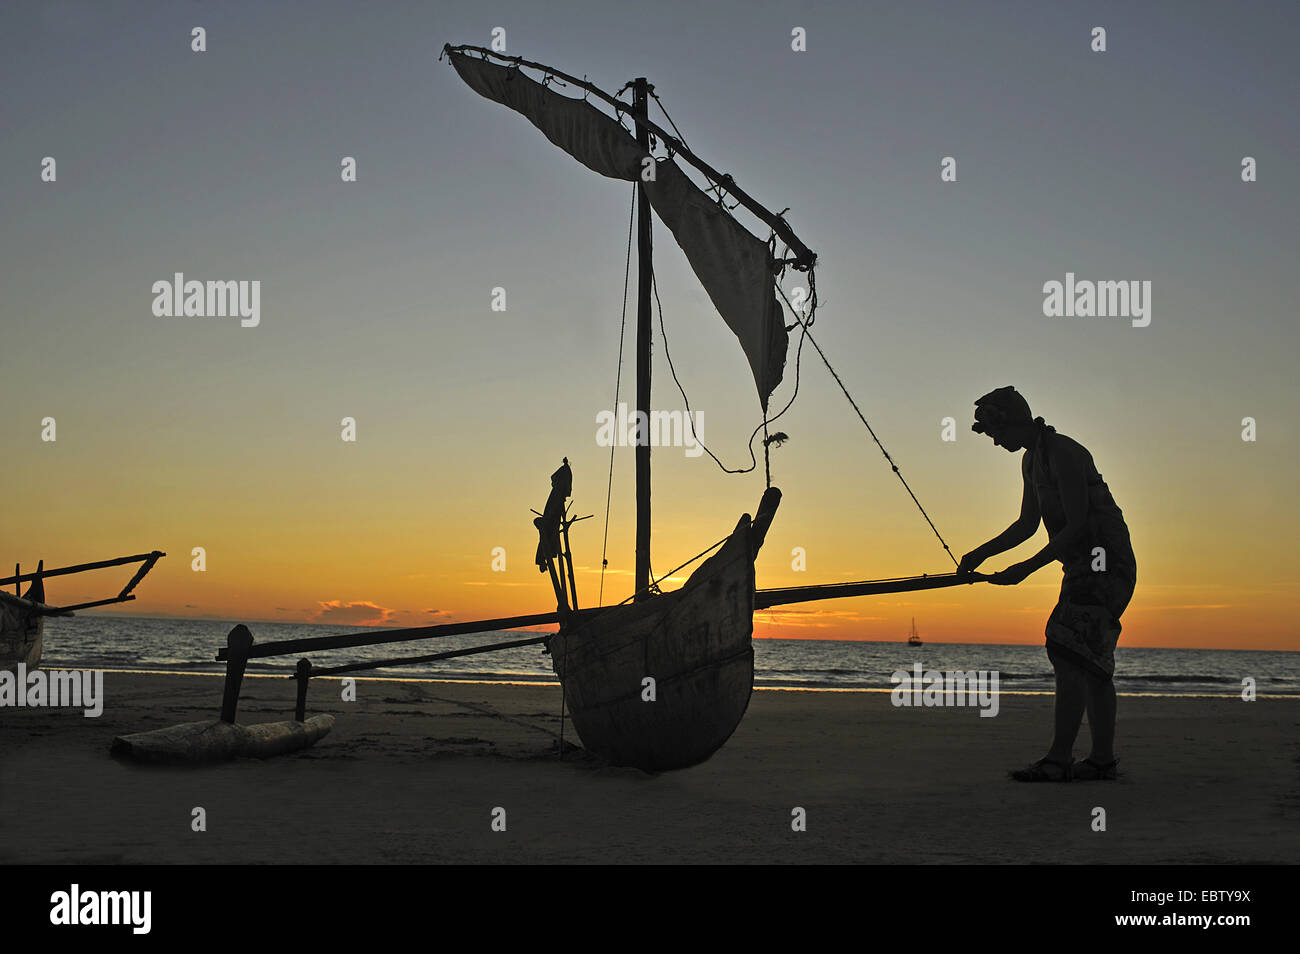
(618, 380)
(654, 583)
(863, 419)
(714, 187)
(805, 326)
(753, 459)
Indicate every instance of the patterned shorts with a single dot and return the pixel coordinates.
(1084, 627)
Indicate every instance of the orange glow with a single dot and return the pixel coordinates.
(314, 554)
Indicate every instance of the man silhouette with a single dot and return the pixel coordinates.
(1087, 533)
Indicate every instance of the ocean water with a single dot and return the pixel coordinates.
(119, 642)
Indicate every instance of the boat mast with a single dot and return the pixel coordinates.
(640, 109)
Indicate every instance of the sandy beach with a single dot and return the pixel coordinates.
(413, 771)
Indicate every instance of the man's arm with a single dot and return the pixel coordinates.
(1071, 462)
(1026, 526)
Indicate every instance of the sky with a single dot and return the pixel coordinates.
(376, 303)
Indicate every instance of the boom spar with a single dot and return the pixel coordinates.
(804, 256)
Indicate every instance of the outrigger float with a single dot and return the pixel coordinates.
(694, 642)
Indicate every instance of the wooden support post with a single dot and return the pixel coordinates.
(303, 676)
(561, 603)
(238, 642)
(140, 574)
(558, 563)
(568, 564)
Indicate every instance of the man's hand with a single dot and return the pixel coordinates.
(1011, 575)
(969, 562)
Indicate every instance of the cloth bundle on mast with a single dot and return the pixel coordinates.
(735, 267)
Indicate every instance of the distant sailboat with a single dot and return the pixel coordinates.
(913, 638)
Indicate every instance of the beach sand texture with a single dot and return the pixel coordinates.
(413, 771)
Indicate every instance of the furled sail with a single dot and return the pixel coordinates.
(577, 127)
(735, 267)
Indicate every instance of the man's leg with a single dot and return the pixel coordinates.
(1101, 718)
(1071, 699)
(1101, 689)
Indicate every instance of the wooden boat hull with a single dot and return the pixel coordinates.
(695, 643)
(22, 628)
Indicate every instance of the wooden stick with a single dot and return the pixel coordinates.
(568, 562)
(287, 647)
(412, 660)
(140, 573)
(561, 604)
(303, 675)
(67, 610)
(81, 567)
(832, 591)
(805, 255)
(557, 566)
(238, 642)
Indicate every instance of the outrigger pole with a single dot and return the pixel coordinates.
(147, 560)
(764, 599)
(286, 647)
(240, 646)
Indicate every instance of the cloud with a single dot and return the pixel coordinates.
(815, 618)
(357, 613)
(438, 612)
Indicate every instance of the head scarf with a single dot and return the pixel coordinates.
(1000, 409)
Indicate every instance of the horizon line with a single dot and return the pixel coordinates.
(792, 639)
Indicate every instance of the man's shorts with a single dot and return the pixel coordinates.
(1084, 627)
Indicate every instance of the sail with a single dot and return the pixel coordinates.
(576, 126)
(735, 267)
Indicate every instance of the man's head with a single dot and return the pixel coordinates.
(1005, 417)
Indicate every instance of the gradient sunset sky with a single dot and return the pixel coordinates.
(175, 433)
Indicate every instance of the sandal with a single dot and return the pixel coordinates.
(1044, 770)
(1090, 771)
